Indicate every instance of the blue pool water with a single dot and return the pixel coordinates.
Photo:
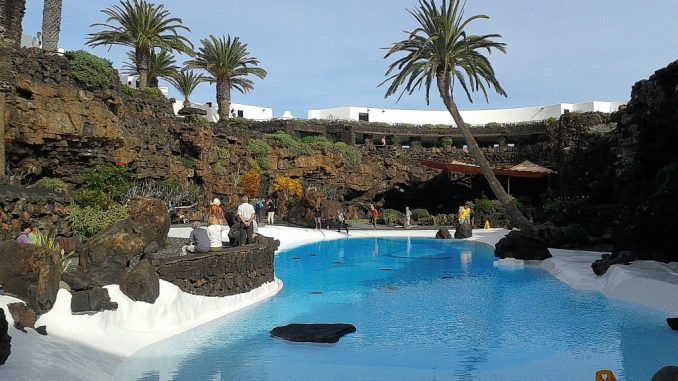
(424, 310)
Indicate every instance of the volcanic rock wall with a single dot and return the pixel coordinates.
(232, 271)
(56, 128)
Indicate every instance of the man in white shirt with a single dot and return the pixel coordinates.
(247, 216)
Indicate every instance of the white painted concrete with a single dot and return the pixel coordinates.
(473, 117)
(90, 347)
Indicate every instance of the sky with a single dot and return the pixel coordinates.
(323, 54)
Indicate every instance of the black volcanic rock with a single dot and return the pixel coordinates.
(5, 339)
(443, 234)
(463, 231)
(521, 245)
(673, 323)
(312, 333)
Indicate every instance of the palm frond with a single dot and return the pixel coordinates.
(439, 47)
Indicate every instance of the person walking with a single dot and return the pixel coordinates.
(270, 211)
(318, 216)
(408, 217)
(247, 216)
(341, 221)
(375, 215)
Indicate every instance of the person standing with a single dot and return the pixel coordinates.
(37, 41)
(215, 216)
(258, 206)
(270, 212)
(341, 221)
(375, 215)
(408, 217)
(198, 241)
(317, 216)
(247, 216)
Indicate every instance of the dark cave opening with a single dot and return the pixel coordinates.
(446, 192)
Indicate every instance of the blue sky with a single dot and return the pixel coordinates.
(322, 54)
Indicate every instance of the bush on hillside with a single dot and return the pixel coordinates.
(87, 221)
(108, 179)
(418, 214)
(89, 70)
(261, 152)
(56, 185)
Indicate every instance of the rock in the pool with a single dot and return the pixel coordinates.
(312, 333)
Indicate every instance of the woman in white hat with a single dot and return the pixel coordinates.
(215, 221)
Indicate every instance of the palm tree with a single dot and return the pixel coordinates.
(185, 82)
(141, 26)
(440, 50)
(228, 62)
(161, 65)
(51, 25)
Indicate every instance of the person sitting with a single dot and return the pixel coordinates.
(198, 241)
(214, 234)
(22, 237)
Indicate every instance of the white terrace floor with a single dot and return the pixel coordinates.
(90, 347)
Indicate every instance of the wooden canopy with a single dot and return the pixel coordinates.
(525, 169)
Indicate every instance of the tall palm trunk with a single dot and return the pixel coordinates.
(224, 97)
(51, 25)
(143, 62)
(443, 82)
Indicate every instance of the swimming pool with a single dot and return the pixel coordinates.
(424, 309)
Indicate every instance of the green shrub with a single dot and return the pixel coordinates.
(351, 155)
(295, 145)
(483, 208)
(87, 221)
(56, 185)
(128, 91)
(154, 91)
(389, 216)
(261, 152)
(172, 193)
(552, 122)
(319, 142)
(92, 197)
(90, 70)
(108, 179)
(447, 142)
(576, 234)
(418, 214)
(186, 163)
(492, 125)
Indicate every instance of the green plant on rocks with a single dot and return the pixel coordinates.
(108, 179)
(56, 185)
(92, 197)
(261, 152)
(89, 70)
(87, 221)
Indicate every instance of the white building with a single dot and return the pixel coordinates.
(237, 111)
(133, 82)
(473, 117)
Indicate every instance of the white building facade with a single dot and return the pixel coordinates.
(472, 117)
(237, 111)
